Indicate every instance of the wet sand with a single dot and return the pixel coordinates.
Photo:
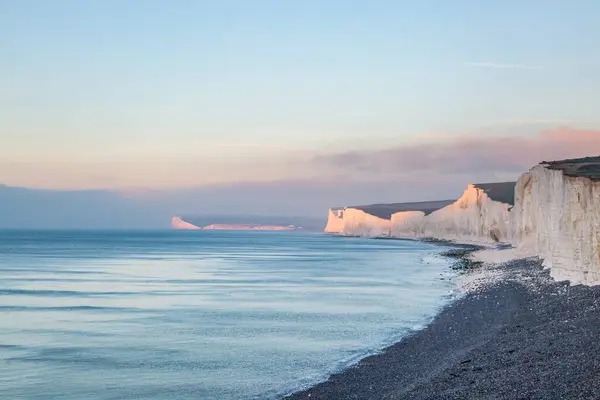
(520, 336)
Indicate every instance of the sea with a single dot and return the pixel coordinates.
(203, 314)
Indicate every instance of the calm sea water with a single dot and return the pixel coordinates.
(201, 315)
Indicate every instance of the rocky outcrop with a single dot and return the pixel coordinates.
(557, 217)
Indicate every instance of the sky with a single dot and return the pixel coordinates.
(179, 94)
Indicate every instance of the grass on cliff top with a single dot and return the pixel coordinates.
(586, 167)
(583, 160)
(504, 192)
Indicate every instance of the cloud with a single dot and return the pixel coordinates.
(259, 146)
(468, 155)
(493, 65)
(530, 122)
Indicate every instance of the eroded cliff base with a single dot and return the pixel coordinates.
(516, 335)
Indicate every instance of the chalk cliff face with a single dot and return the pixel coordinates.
(178, 223)
(359, 223)
(475, 217)
(335, 221)
(408, 224)
(553, 212)
(375, 220)
(557, 217)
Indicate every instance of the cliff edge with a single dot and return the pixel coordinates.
(557, 217)
(480, 215)
(375, 220)
(335, 221)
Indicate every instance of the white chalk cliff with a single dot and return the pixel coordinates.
(377, 220)
(360, 223)
(178, 223)
(556, 216)
(474, 217)
(335, 221)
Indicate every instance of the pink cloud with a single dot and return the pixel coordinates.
(471, 154)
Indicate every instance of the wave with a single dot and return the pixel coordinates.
(278, 324)
(71, 308)
(356, 357)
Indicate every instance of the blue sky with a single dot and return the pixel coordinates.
(182, 93)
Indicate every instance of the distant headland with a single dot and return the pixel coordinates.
(245, 223)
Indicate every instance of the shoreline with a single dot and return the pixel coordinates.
(516, 333)
(459, 257)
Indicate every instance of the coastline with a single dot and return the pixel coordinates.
(516, 333)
